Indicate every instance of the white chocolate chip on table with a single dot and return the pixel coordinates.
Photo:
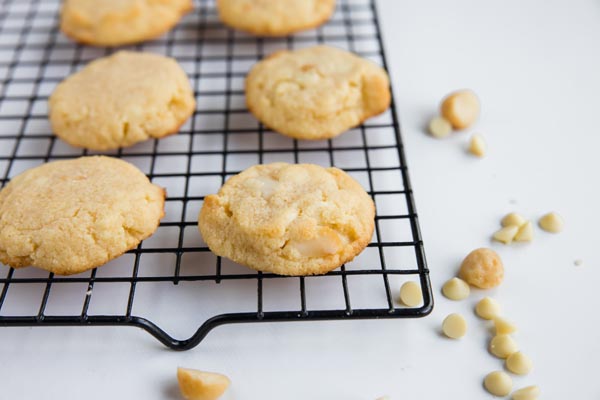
(456, 289)
(439, 127)
(477, 145)
(518, 363)
(513, 219)
(503, 346)
(504, 326)
(201, 385)
(551, 222)
(498, 383)
(525, 233)
(506, 234)
(527, 393)
(487, 308)
(482, 268)
(454, 326)
(461, 108)
(411, 294)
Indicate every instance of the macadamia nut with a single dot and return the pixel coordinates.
(513, 219)
(518, 363)
(503, 346)
(552, 222)
(498, 383)
(527, 393)
(456, 289)
(477, 145)
(504, 326)
(439, 127)
(487, 308)
(200, 385)
(482, 268)
(461, 108)
(410, 294)
(507, 234)
(454, 326)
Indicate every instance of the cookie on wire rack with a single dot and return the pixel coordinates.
(274, 18)
(120, 100)
(70, 216)
(288, 219)
(120, 22)
(317, 92)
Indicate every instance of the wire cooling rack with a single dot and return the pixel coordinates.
(172, 282)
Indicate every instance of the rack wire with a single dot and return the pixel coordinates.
(172, 280)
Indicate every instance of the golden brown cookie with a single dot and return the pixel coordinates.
(119, 22)
(120, 100)
(70, 216)
(289, 219)
(317, 92)
(274, 18)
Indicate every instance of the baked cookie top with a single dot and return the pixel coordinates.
(289, 219)
(70, 216)
(120, 100)
(274, 18)
(119, 22)
(317, 92)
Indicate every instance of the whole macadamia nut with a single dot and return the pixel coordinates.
(461, 108)
(482, 268)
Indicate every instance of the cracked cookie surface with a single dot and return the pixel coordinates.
(120, 100)
(119, 22)
(70, 216)
(317, 92)
(288, 219)
(274, 18)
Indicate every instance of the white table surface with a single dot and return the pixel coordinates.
(536, 67)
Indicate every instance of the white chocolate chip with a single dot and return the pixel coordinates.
(552, 222)
(461, 108)
(527, 393)
(439, 127)
(504, 326)
(498, 383)
(518, 363)
(321, 246)
(525, 233)
(503, 346)
(454, 326)
(411, 294)
(477, 145)
(456, 289)
(487, 308)
(507, 234)
(513, 219)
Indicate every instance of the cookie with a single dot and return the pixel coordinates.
(120, 22)
(120, 100)
(317, 92)
(288, 219)
(70, 216)
(274, 18)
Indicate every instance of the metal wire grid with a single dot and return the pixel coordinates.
(172, 277)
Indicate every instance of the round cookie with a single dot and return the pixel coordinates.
(120, 100)
(288, 219)
(274, 18)
(119, 22)
(317, 92)
(70, 216)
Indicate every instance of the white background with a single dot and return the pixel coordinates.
(536, 67)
